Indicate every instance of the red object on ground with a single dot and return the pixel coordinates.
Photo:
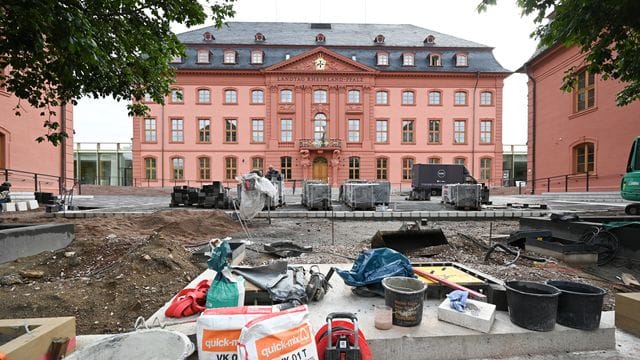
(344, 328)
(189, 301)
(450, 284)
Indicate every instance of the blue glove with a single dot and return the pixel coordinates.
(458, 299)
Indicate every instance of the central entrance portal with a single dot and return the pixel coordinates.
(320, 169)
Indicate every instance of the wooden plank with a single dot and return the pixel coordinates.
(628, 312)
(36, 343)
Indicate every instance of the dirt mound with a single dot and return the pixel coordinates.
(197, 225)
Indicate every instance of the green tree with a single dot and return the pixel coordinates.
(60, 50)
(607, 32)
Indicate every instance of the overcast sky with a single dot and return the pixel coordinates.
(501, 27)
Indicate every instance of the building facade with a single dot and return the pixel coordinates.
(578, 141)
(323, 101)
(103, 163)
(514, 165)
(25, 163)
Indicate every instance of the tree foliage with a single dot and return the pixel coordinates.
(56, 51)
(607, 32)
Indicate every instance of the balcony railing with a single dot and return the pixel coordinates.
(327, 144)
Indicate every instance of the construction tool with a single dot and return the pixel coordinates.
(342, 340)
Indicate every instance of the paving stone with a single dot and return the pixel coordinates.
(9, 207)
(32, 204)
(21, 206)
(477, 315)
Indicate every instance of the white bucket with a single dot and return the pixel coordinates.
(139, 345)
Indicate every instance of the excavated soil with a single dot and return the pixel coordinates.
(118, 269)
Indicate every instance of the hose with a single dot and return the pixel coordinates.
(511, 251)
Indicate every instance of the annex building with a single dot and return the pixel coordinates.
(323, 101)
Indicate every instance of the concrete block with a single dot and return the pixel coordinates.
(21, 206)
(476, 316)
(9, 207)
(32, 204)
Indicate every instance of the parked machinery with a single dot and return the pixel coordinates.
(316, 195)
(358, 194)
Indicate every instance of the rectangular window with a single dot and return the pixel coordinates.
(434, 131)
(407, 165)
(383, 59)
(320, 97)
(150, 168)
(585, 92)
(353, 97)
(204, 130)
(257, 164)
(435, 98)
(230, 97)
(354, 167)
(459, 132)
(178, 168)
(285, 167)
(230, 170)
(203, 56)
(434, 60)
(460, 98)
(485, 169)
(176, 96)
(486, 131)
(286, 96)
(382, 98)
(229, 57)
(257, 130)
(408, 132)
(150, 130)
(354, 130)
(486, 98)
(461, 60)
(205, 168)
(177, 130)
(256, 57)
(584, 158)
(434, 160)
(381, 169)
(257, 97)
(231, 130)
(382, 133)
(407, 60)
(286, 130)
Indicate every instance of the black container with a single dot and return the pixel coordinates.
(532, 305)
(405, 296)
(579, 305)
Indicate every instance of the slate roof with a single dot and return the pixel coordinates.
(348, 40)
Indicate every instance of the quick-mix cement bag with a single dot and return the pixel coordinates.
(286, 335)
(218, 330)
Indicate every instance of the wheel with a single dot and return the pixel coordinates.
(632, 209)
(605, 243)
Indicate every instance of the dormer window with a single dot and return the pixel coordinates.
(379, 39)
(260, 37)
(354, 58)
(256, 56)
(229, 57)
(430, 39)
(383, 59)
(287, 56)
(320, 38)
(203, 56)
(435, 60)
(208, 36)
(176, 59)
(461, 60)
(408, 59)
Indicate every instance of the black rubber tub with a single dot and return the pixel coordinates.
(532, 305)
(579, 305)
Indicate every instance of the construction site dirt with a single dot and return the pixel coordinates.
(120, 268)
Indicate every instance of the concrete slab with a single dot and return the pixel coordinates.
(25, 240)
(32, 204)
(436, 339)
(477, 315)
(21, 206)
(8, 207)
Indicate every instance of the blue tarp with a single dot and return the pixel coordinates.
(373, 265)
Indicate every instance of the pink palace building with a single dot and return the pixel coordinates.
(578, 141)
(323, 101)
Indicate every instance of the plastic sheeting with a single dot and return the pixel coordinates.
(254, 189)
(373, 265)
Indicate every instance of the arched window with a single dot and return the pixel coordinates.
(486, 98)
(320, 38)
(204, 96)
(408, 97)
(177, 168)
(382, 97)
(257, 96)
(382, 169)
(320, 127)
(353, 97)
(407, 165)
(379, 39)
(354, 167)
(583, 158)
(460, 98)
(150, 168)
(257, 163)
(177, 97)
(435, 97)
(204, 164)
(230, 96)
(286, 96)
(260, 37)
(320, 96)
(459, 161)
(434, 160)
(256, 56)
(230, 168)
(485, 168)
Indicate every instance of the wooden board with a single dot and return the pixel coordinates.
(449, 273)
(35, 344)
(628, 312)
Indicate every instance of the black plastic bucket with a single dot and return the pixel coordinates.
(579, 305)
(405, 296)
(532, 305)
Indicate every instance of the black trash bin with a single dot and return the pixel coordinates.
(532, 305)
(579, 305)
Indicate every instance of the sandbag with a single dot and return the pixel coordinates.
(218, 330)
(279, 336)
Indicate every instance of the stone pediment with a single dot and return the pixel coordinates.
(320, 60)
